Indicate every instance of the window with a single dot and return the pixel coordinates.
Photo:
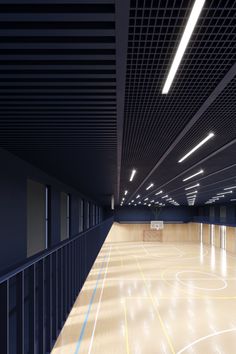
(37, 217)
(93, 215)
(65, 216)
(47, 216)
(87, 215)
(81, 215)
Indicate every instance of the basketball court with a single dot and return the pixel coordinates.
(155, 297)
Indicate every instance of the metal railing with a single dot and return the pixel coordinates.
(36, 298)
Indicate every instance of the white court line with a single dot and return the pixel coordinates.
(198, 287)
(206, 337)
(99, 304)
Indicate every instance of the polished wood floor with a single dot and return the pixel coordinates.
(155, 298)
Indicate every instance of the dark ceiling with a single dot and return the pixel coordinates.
(80, 94)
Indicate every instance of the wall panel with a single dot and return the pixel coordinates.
(206, 234)
(170, 233)
(231, 239)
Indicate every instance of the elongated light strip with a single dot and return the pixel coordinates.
(208, 137)
(195, 174)
(146, 199)
(126, 192)
(138, 196)
(165, 196)
(196, 10)
(233, 200)
(159, 192)
(191, 193)
(225, 189)
(150, 186)
(230, 192)
(195, 185)
(132, 175)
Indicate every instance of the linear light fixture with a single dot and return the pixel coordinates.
(191, 196)
(225, 189)
(195, 174)
(196, 10)
(191, 193)
(195, 185)
(229, 192)
(146, 199)
(159, 192)
(138, 196)
(150, 186)
(208, 137)
(132, 175)
(126, 192)
(233, 200)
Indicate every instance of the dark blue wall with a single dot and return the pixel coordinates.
(13, 203)
(178, 214)
(168, 214)
(215, 214)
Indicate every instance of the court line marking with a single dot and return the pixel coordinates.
(99, 305)
(185, 291)
(206, 337)
(157, 311)
(198, 287)
(89, 307)
(126, 328)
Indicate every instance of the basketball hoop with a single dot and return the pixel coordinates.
(156, 225)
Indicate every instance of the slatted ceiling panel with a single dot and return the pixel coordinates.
(153, 120)
(219, 118)
(216, 181)
(58, 88)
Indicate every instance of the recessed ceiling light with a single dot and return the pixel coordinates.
(225, 189)
(195, 174)
(196, 10)
(229, 192)
(191, 193)
(149, 205)
(126, 192)
(195, 185)
(139, 202)
(138, 196)
(152, 201)
(132, 175)
(150, 186)
(129, 203)
(146, 199)
(159, 192)
(123, 198)
(209, 136)
(132, 201)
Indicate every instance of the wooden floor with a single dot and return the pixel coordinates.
(155, 298)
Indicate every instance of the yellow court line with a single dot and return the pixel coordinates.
(126, 328)
(157, 311)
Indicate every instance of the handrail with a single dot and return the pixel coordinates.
(34, 259)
